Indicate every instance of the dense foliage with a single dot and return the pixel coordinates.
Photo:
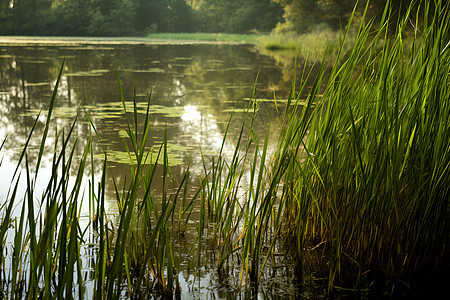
(305, 15)
(134, 17)
(94, 17)
(140, 17)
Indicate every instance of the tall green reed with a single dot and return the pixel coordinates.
(373, 181)
(47, 232)
(241, 212)
(137, 257)
(143, 258)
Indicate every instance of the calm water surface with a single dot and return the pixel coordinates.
(194, 89)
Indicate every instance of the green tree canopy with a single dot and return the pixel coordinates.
(238, 15)
(304, 15)
(135, 17)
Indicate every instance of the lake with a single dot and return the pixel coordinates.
(194, 87)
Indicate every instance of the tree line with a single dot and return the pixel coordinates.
(140, 17)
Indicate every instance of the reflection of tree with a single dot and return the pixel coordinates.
(214, 79)
(285, 59)
(27, 80)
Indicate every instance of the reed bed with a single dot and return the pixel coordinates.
(360, 176)
(372, 185)
(309, 46)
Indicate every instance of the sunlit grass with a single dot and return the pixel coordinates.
(309, 46)
(373, 185)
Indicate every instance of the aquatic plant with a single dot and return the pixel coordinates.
(372, 185)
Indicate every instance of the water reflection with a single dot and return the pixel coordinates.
(193, 89)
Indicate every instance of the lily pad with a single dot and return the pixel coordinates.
(114, 108)
(151, 70)
(38, 83)
(58, 112)
(174, 153)
(87, 73)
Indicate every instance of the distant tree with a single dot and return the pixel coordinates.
(22, 16)
(180, 17)
(6, 16)
(238, 15)
(164, 16)
(5, 9)
(149, 16)
(304, 15)
(112, 18)
(260, 15)
(135, 17)
(69, 17)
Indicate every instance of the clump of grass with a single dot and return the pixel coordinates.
(143, 259)
(45, 259)
(309, 46)
(137, 257)
(373, 184)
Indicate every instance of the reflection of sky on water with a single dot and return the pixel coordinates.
(192, 98)
(7, 169)
(201, 128)
(195, 87)
(191, 114)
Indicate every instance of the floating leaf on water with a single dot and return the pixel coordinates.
(38, 83)
(123, 133)
(31, 61)
(239, 69)
(86, 47)
(300, 102)
(167, 111)
(109, 115)
(180, 65)
(236, 110)
(175, 155)
(215, 61)
(90, 107)
(88, 73)
(151, 70)
(269, 100)
(30, 113)
(183, 58)
(233, 87)
(58, 112)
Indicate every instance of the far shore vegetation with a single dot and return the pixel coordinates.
(308, 27)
